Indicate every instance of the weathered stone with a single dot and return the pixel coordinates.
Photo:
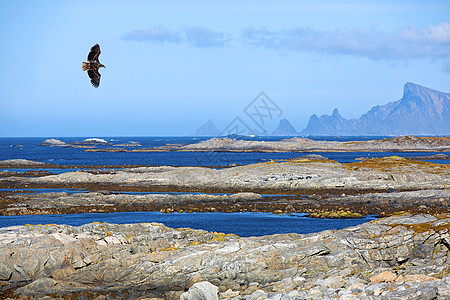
(387, 276)
(5, 272)
(412, 293)
(104, 257)
(40, 285)
(333, 282)
(201, 290)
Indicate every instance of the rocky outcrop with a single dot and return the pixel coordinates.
(420, 111)
(289, 176)
(431, 157)
(105, 201)
(20, 163)
(402, 256)
(92, 142)
(398, 144)
(325, 205)
(130, 144)
(85, 143)
(208, 129)
(53, 143)
(285, 128)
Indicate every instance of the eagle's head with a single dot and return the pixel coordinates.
(102, 66)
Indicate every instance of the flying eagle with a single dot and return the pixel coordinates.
(92, 65)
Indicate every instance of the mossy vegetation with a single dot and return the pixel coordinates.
(426, 227)
(171, 248)
(340, 214)
(397, 163)
(222, 237)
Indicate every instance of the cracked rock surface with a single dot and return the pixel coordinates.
(400, 257)
(378, 173)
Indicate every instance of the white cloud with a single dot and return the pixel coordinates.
(153, 35)
(408, 43)
(203, 37)
(199, 36)
(411, 42)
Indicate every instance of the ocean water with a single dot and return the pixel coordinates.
(78, 156)
(243, 224)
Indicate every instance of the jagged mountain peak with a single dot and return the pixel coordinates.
(421, 110)
(336, 113)
(413, 88)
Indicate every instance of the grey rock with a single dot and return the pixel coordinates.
(258, 295)
(5, 272)
(412, 294)
(201, 291)
(38, 286)
(332, 282)
(53, 143)
(20, 162)
(137, 258)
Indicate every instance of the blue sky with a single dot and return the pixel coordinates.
(172, 65)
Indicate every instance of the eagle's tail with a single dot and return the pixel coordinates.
(84, 66)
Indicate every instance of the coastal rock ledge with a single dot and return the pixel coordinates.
(400, 257)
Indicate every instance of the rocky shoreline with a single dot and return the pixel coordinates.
(400, 257)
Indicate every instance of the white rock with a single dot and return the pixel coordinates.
(203, 290)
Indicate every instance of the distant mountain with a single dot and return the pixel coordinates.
(421, 111)
(285, 128)
(208, 129)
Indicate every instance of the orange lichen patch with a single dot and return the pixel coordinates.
(308, 160)
(424, 227)
(396, 163)
(195, 243)
(171, 248)
(222, 237)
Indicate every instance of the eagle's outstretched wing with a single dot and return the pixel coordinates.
(94, 53)
(94, 75)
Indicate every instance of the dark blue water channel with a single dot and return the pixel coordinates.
(243, 224)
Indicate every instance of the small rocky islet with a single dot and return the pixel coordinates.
(402, 256)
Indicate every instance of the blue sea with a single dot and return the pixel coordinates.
(78, 156)
(242, 224)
